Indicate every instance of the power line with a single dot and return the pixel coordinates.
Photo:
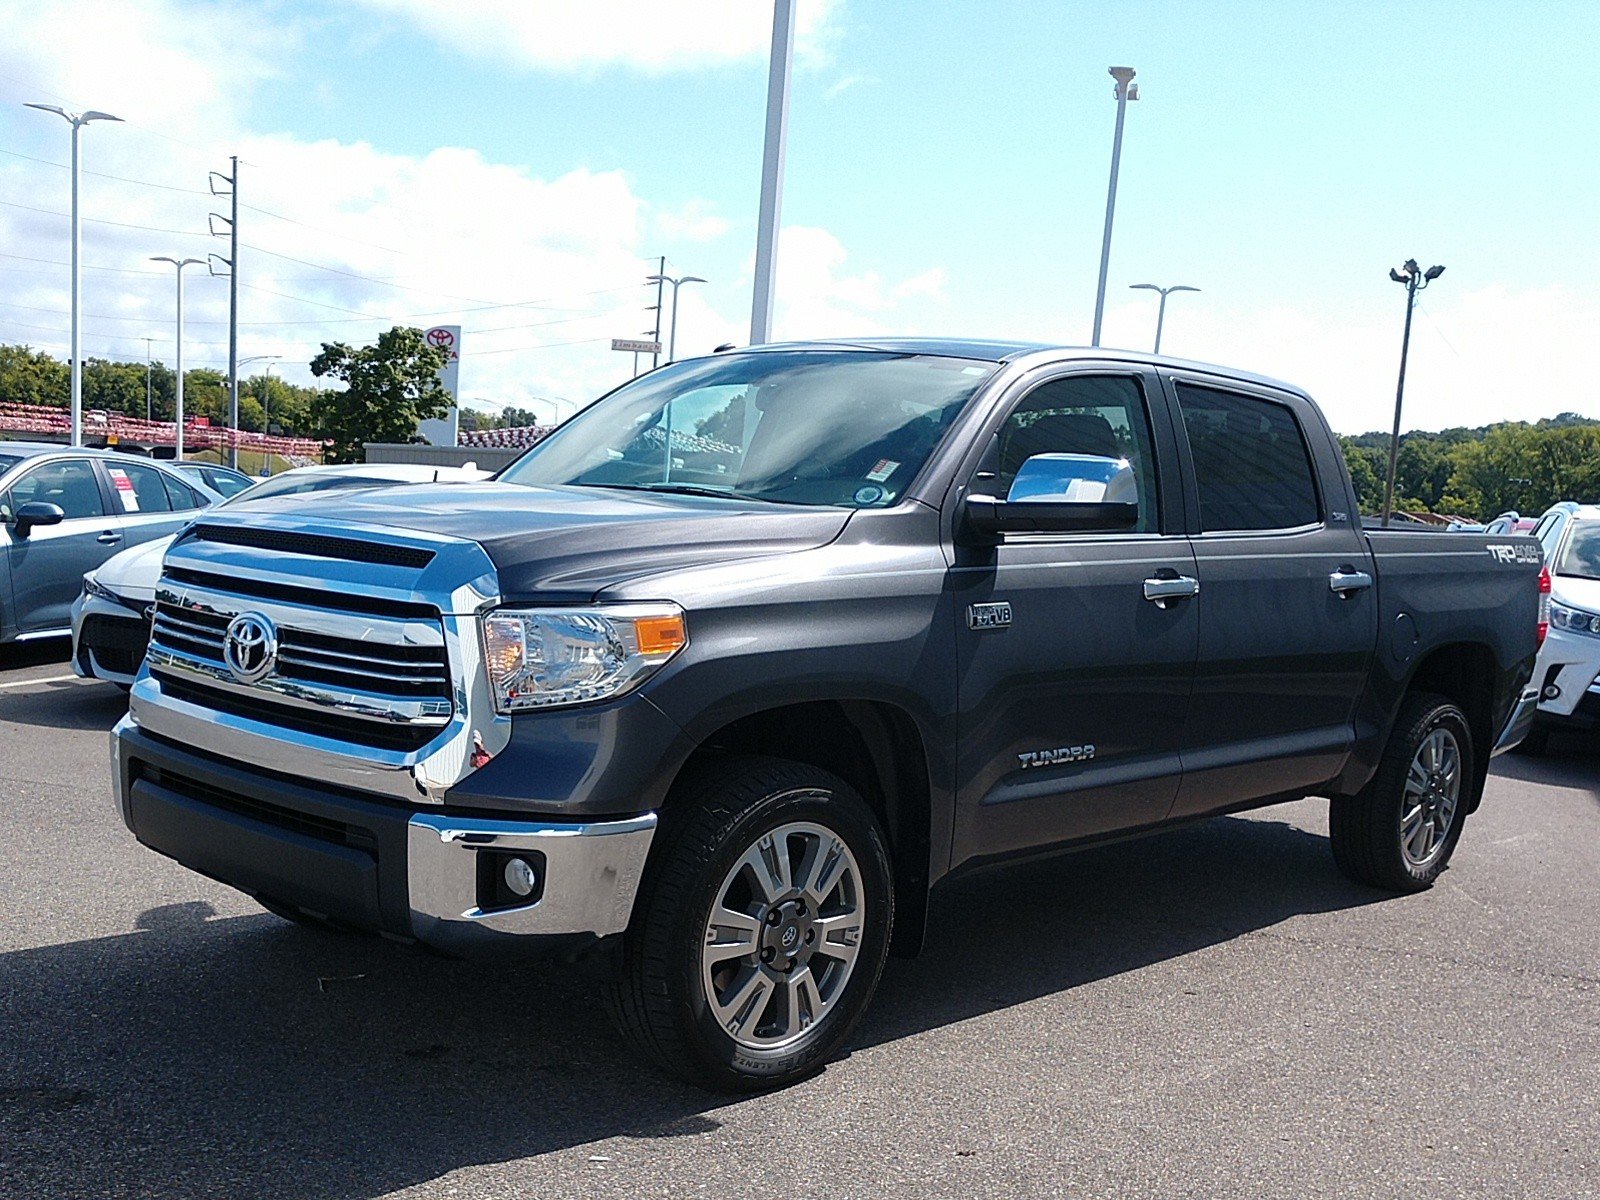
(50, 212)
(166, 187)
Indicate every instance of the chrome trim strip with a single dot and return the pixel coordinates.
(302, 695)
(328, 622)
(592, 874)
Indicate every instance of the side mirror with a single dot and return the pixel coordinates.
(37, 512)
(989, 516)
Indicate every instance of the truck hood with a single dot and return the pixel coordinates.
(572, 542)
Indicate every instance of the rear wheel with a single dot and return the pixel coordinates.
(1401, 829)
(761, 928)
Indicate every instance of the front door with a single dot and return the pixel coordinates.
(47, 566)
(1072, 685)
(1288, 607)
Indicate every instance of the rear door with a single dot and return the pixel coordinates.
(1287, 607)
(47, 566)
(151, 502)
(1072, 685)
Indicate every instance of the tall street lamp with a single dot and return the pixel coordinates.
(77, 121)
(780, 67)
(1161, 311)
(266, 395)
(1415, 280)
(1126, 90)
(180, 264)
(672, 338)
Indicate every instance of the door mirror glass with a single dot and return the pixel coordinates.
(1080, 478)
(38, 512)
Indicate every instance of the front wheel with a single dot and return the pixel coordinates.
(761, 928)
(1401, 829)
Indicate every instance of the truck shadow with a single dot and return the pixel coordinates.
(1571, 761)
(252, 1057)
(68, 704)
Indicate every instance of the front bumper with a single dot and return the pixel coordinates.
(108, 639)
(369, 863)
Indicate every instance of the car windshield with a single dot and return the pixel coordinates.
(293, 484)
(1581, 555)
(846, 428)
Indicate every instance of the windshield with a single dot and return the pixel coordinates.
(1581, 555)
(841, 428)
(293, 484)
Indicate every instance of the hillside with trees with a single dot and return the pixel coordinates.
(1481, 472)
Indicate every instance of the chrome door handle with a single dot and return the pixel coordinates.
(1164, 591)
(1343, 583)
(109, 538)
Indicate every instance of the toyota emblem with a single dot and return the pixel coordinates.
(250, 647)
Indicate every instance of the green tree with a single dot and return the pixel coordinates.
(389, 387)
(29, 376)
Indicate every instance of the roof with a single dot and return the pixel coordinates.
(34, 449)
(997, 351)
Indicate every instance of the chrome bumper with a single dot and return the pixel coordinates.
(1519, 722)
(590, 877)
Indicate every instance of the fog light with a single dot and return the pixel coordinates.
(520, 877)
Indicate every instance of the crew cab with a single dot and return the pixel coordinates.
(715, 683)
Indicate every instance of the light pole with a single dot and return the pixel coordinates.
(180, 264)
(77, 121)
(779, 68)
(1126, 90)
(1415, 280)
(266, 395)
(1161, 311)
(672, 337)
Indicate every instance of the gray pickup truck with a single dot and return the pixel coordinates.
(716, 682)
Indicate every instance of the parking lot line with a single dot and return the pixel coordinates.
(47, 679)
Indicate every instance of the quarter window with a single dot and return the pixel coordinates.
(1250, 462)
(1094, 436)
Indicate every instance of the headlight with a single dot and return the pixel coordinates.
(1574, 619)
(92, 587)
(546, 657)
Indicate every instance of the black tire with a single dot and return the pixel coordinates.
(712, 818)
(1365, 829)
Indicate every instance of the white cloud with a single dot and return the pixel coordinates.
(647, 35)
(694, 222)
(846, 83)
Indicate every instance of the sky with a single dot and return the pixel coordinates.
(516, 167)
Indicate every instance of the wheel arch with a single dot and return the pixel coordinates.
(876, 747)
(1464, 673)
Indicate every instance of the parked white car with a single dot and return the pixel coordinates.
(1569, 660)
(111, 617)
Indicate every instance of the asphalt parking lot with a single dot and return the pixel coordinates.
(1214, 1012)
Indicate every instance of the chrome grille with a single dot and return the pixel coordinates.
(357, 676)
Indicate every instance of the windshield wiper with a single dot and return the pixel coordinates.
(684, 489)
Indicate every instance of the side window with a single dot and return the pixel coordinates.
(139, 488)
(224, 483)
(1251, 464)
(70, 483)
(181, 495)
(1085, 438)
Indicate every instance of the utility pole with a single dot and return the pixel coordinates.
(772, 159)
(77, 121)
(147, 409)
(660, 278)
(232, 222)
(1415, 280)
(1126, 90)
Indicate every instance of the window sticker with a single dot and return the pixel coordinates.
(884, 468)
(124, 486)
